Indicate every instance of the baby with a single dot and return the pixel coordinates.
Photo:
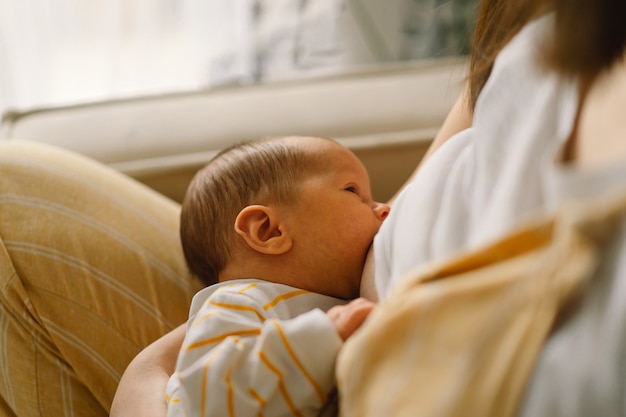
(278, 229)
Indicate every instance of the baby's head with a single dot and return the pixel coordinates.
(275, 204)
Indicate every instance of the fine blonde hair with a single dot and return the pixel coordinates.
(263, 171)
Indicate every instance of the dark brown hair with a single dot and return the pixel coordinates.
(262, 171)
(589, 36)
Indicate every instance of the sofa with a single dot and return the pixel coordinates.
(387, 114)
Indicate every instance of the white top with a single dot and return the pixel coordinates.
(486, 180)
(255, 347)
(582, 369)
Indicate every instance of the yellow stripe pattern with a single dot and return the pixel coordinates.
(251, 365)
(238, 307)
(283, 297)
(281, 385)
(320, 393)
(216, 339)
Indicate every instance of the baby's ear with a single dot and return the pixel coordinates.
(261, 229)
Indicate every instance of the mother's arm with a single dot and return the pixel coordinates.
(459, 118)
(141, 391)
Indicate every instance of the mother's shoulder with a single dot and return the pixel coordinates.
(601, 131)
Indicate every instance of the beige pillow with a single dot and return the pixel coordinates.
(91, 271)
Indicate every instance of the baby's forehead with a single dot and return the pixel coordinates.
(315, 146)
(324, 156)
(306, 141)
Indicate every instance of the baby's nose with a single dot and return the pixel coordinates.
(381, 210)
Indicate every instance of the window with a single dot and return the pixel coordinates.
(68, 51)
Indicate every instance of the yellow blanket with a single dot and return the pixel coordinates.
(460, 338)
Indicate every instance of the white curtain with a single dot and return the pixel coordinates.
(68, 51)
(55, 52)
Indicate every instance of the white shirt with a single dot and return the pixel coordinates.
(484, 182)
(488, 178)
(255, 347)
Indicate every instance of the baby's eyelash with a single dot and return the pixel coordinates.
(351, 189)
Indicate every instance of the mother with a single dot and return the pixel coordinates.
(545, 130)
(541, 122)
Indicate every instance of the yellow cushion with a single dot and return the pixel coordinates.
(91, 271)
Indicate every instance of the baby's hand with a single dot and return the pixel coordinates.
(347, 318)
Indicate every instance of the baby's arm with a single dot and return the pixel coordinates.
(348, 318)
(236, 359)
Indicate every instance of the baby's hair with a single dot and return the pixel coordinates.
(262, 171)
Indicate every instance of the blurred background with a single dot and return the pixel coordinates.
(59, 52)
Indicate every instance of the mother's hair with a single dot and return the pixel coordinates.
(589, 36)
